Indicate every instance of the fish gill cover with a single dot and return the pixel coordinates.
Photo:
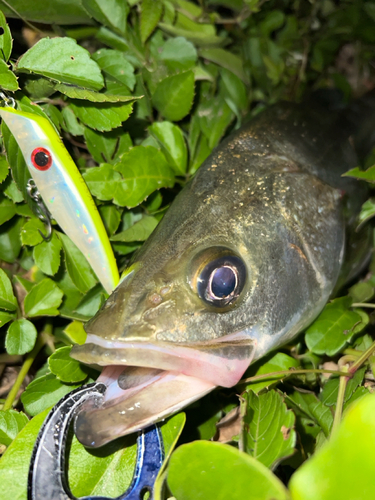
(141, 93)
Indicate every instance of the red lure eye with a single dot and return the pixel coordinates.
(41, 158)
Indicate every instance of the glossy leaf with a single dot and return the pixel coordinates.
(104, 117)
(334, 327)
(115, 66)
(43, 299)
(178, 54)
(227, 60)
(11, 422)
(199, 38)
(330, 391)
(90, 95)
(30, 232)
(367, 175)
(5, 317)
(47, 255)
(144, 169)
(61, 59)
(313, 408)
(77, 266)
(7, 299)
(150, 15)
(4, 167)
(91, 302)
(174, 95)
(102, 181)
(219, 472)
(111, 217)
(172, 142)
(140, 231)
(107, 147)
(75, 332)
(342, 468)
(268, 427)
(44, 392)
(6, 41)
(66, 368)
(10, 241)
(215, 117)
(8, 80)
(111, 13)
(21, 337)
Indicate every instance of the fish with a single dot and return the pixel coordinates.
(245, 258)
(63, 190)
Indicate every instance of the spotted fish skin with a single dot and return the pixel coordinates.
(272, 194)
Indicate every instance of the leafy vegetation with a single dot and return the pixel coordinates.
(141, 91)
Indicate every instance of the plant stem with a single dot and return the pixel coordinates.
(363, 304)
(23, 372)
(339, 403)
(362, 358)
(288, 373)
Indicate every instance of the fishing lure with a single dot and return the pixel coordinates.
(63, 190)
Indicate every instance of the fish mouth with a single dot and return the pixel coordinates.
(146, 381)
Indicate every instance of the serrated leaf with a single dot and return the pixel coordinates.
(268, 427)
(4, 167)
(144, 170)
(367, 211)
(102, 181)
(63, 60)
(8, 80)
(11, 190)
(342, 468)
(104, 117)
(313, 408)
(150, 15)
(7, 299)
(227, 60)
(78, 268)
(30, 232)
(115, 66)
(44, 392)
(71, 122)
(91, 302)
(174, 95)
(47, 255)
(367, 175)
(107, 147)
(172, 142)
(329, 394)
(21, 337)
(10, 241)
(334, 327)
(5, 38)
(75, 92)
(278, 362)
(66, 368)
(219, 472)
(178, 54)
(201, 39)
(111, 217)
(140, 231)
(214, 118)
(111, 13)
(43, 299)
(11, 423)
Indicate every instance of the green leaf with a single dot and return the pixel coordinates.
(5, 39)
(144, 170)
(268, 427)
(235, 89)
(111, 217)
(174, 95)
(4, 165)
(7, 299)
(334, 327)
(215, 117)
(11, 422)
(44, 392)
(61, 59)
(367, 211)
(172, 142)
(15, 463)
(115, 66)
(90, 95)
(10, 241)
(30, 232)
(6, 317)
(47, 255)
(343, 467)
(107, 147)
(201, 39)
(329, 394)
(102, 181)
(78, 268)
(66, 368)
(11, 191)
(91, 302)
(367, 175)
(43, 299)
(313, 408)
(104, 117)
(361, 292)
(75, 332)
(8, 80)
(215, 471)
(21, 337)
(150, 15)
(71, 122)
(140, 231)
(178, 54)
(111, 13)
(227, 60)
(278, 362)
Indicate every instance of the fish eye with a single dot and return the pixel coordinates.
(222, 280)
(41, 158)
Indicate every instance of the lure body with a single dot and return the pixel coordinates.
(245, 258)
(63, 190)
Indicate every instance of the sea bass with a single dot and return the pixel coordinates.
(245, 258)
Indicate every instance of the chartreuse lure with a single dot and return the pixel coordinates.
(63, 190)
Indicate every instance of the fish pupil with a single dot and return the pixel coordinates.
(223, 282)
(41, 159)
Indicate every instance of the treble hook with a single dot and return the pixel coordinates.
(8, 101)
(43, 214)
(47, 479)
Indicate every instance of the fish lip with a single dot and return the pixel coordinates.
(220, 361)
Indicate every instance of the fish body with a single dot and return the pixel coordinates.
(63, 190)
(245, 258)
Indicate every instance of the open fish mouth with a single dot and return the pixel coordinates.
(146, 382)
